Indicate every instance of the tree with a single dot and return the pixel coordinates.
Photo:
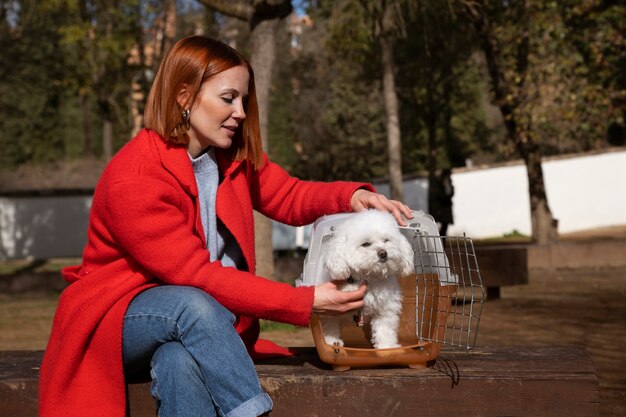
(439, 91)
(511, 80)
(387, 25)
(596, 31)
(103, 34)
(32, 83)
(262, 16)
(151, 44)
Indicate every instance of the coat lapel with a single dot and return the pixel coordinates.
(234, 207)
(175, 160)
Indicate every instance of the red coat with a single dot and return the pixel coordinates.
(145, 229)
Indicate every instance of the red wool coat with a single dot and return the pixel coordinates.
(145, 230)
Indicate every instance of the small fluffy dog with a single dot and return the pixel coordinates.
(368, 247)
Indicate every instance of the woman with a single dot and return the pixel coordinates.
(167, 281)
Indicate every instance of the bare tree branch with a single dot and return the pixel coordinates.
(242, 10)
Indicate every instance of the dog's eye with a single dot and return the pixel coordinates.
(366, 244)
(386, 240)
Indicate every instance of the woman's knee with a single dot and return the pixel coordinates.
(200, 307)
(178, 300)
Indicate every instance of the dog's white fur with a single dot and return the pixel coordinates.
(368, 247)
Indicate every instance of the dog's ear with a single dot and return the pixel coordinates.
(407, 265)
(335, 261)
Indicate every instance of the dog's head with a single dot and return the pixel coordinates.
(368, 246)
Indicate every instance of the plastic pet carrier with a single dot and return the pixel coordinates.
(442, 299)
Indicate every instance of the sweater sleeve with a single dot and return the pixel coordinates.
(289, 200)
(146, 222)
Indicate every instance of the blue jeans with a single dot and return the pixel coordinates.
(198, 363)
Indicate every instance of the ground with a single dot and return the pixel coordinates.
(582, 307)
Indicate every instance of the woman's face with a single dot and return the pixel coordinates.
(218, 110)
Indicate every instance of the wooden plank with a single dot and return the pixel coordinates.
(19, 378)
(539, 381)
(511, 381)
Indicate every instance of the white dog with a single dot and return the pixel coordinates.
(368, 247)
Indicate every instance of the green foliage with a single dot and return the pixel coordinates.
(550, 53)
(30, 118)
(283, 144)
(330, 110)
(327, 115)
(596, 31)
(440, 88)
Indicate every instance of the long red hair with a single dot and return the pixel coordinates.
(189, 63)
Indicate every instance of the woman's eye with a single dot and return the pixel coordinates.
(228, 100)
(366, 244)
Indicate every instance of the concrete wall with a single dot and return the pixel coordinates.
(43, 227)
(584, 192)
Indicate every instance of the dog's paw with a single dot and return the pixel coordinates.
(333, 341)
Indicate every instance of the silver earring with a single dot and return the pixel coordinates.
(186, 114)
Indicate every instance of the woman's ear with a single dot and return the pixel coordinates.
(183, 96)
(334, 260)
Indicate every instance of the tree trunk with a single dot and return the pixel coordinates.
(107, 139)
(544, 226)
(263, 17)
(137, 98)
(87, 137)
(262, 47)
(394, 145)
(170, 25)
(262, 60)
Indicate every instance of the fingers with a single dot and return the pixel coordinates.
(329, 300)
(363, 199)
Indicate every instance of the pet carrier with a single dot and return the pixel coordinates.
(442, 299)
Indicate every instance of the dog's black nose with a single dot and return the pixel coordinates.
(382, 254)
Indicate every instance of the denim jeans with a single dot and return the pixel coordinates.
(198, 363)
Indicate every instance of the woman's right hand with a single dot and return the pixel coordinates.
(330, 300)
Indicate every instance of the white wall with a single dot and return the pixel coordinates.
(584, 192)
(490, 202)
(588, 192)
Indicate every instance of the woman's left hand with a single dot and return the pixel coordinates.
(363, 199)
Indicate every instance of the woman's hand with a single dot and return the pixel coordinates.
(363, 199)
(328, 299)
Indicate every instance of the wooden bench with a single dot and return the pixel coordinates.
(503, 381)
(501, 266)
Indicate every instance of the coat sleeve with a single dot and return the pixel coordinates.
(289, 200)
(145, 220)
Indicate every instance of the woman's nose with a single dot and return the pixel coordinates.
(239, 113)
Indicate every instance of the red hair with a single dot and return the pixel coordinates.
(189, 63)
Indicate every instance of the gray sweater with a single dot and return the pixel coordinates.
(221, 244)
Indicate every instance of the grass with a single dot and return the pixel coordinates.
(272, 326)
(10, 267)
(513, 236)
